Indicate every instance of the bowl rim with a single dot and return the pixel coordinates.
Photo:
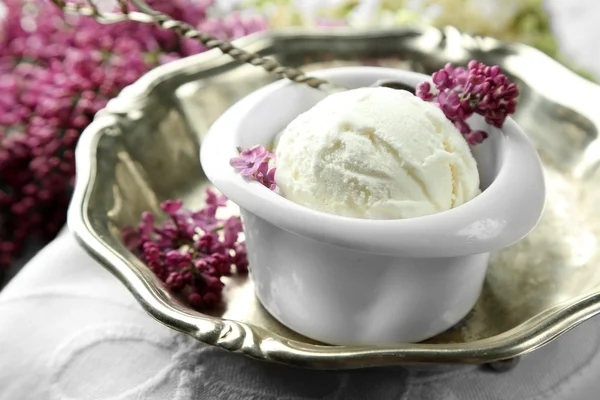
(486, 223)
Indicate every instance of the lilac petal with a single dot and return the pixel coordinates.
(424, 91)
(177, 259)
(500, 80)
(208, 211)
(424, 87)
(213, 199)
(171, 206)
(473, 64)
(440, 78)
(267, 177)
(185, 224)
(442, 97)
(201, 264)
(151, 251)
(238, 162)
(206, 219)
(453, 99)
(232, 229)
(462, 126)
(494, 71)
(147, 218)
(259, 158)
(510, 92)
(511, 107)
(449, 111)
(448, 68)
(476, 137)
(477, 79)
(209, 243)
(464, 112)
(168, 232)
(248, 172)
(262, 169)
(176, 281)
(254, 153)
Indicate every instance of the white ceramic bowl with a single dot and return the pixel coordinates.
(343, 280)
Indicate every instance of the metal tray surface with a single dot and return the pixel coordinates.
(143, 148)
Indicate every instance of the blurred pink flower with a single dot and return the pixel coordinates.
(56, 72)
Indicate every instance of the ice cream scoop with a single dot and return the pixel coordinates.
(376, 153)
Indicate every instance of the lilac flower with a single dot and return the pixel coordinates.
(249, 160)
(186, 262)
(253, 163)
(220, 263)
(212, 199)
(175, 281)
(206, 218)
(208, 243)
(178, 259)
(478, 89)
(213, 284)
(231, 231)
(170, 207)
(266, 176)
(476, 137)
(424, 91)
(202, 265)
(195, 300)
(55, 74)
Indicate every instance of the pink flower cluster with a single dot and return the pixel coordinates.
(253, 163)
(191, 251)
(56, 72)
(478, 89)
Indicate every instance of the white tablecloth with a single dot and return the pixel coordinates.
(69, 330)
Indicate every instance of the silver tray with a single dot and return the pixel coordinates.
(143, 148)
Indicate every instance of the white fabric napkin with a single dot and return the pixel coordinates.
(70, 330)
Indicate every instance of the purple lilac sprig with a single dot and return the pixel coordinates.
(253, 163)
(56, 72)
(478, 89)
(191, 250)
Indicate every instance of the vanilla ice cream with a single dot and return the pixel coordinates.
(375, 153)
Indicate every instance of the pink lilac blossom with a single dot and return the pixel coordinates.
(266, 176)
(477, 89)
(56, 72)
(253, 163)
(189, 255)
